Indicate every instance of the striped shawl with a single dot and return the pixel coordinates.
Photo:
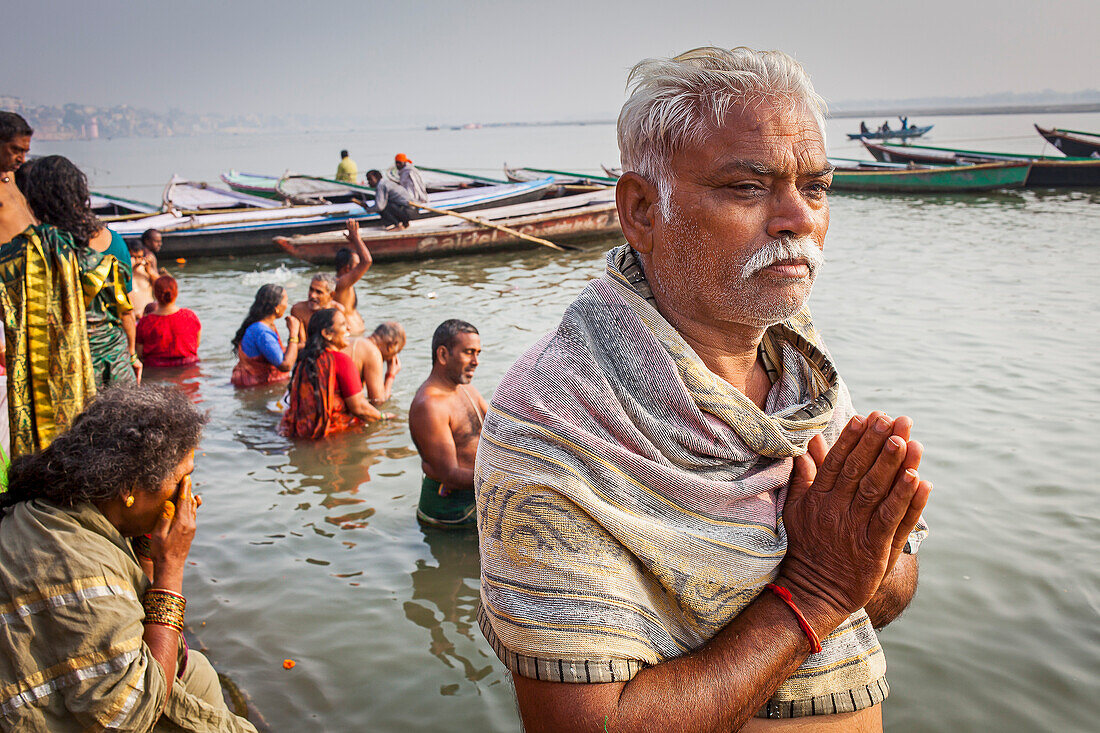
(630, 501)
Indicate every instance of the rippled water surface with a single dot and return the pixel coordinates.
(974, 315)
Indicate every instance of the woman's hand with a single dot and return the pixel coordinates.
(294, 326)
(170, 541)
(135, 362)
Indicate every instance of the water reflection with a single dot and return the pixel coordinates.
(444, 601)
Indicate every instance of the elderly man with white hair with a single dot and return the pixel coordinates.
(684, 524)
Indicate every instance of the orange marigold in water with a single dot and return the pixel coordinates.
(288, 664)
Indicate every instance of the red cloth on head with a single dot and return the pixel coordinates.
(171, 340)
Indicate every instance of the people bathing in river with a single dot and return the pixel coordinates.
(57, 192)
(445, 421)
(261, 358)
(351, 264)
(376, 359)
(320, 297)
(47, 358)
(94, 536)
(391, 201)
(168, 335)
(409, 178)
(325, 394)
(151, 241)
(141, 284)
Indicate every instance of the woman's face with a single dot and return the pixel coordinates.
(281, 308)
(337, 334)
(143, 516)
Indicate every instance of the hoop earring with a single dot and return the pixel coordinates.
(129, 501)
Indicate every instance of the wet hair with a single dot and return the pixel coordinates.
(374, 172)
(166, 290)
(343, 258)
(148, 235)
(57, 192)
(391, 332)
(315, 345)
(675, 102)
(129, 438)
(135, 246)
(264, 304)
(12, 126)
(343, 153)
(446, 333)
(327, 278)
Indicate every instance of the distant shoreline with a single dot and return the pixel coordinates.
(1006, 109)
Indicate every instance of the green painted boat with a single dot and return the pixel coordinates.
(565, 178)
(954, 179)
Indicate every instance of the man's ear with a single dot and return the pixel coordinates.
(441, 354)
(636, 199)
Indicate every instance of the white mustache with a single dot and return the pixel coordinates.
(785, 248)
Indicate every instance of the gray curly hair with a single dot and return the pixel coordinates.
(130, 438)
(674, 102)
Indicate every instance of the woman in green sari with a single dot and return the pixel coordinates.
(95, 531)
(57, 192)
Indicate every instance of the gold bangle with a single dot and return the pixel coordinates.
(293, 341)
(134, 360)
(164, 608)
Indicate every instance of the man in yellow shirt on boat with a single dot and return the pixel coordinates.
(347, 171)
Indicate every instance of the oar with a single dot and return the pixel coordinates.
(500, 227)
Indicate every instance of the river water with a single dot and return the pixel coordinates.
(972, 314)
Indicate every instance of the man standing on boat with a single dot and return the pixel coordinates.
(683, 523)
(445, 422)
(391, 200)
(347, 171)
(410, 178)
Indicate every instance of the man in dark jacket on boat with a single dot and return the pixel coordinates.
(391, 200)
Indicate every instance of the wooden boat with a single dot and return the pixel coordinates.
(581, 216)
(1046, 171)
(562, 178)
(441, 179)
(898, 134)
(928, 179)
(612, 171)
(250, 231)
(1073, 142)
(191, 196)
(297, 189)
(107, 206)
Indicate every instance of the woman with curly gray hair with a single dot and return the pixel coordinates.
(94, 535)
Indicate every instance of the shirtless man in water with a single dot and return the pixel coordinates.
(445, 420)
(376, 359)
(144, 274)
(351, 264)
(321, 289)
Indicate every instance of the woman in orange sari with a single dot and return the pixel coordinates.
(261, 358)
(326, 393)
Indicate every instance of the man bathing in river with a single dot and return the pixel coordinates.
(151, 240)
(319, 297)
(376, 359)
(141, 294)
(445, 421)
(683, 522)
(351, 264)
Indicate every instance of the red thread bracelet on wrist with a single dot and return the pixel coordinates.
(785, 595)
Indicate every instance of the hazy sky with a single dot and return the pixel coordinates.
(404, 61)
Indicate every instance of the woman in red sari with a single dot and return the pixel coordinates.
(326, 393)
(169, 335)
(261, 358)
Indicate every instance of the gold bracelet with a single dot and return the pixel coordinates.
(293, 341)
(134, 360)
(164, 608)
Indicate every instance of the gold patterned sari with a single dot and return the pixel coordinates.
(48, 361)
